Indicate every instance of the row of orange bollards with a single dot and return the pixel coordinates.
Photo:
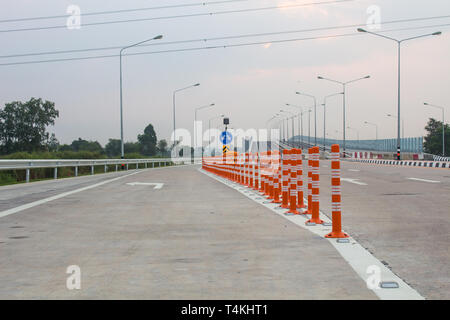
(279, 177)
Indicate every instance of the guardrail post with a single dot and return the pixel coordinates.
(137, 165)
(117, 167)
(55, 173)
(28, 176)
(146, 164)
(92, 170)
(106, 168)
(153, 165)
(76, 171)
(127, 166)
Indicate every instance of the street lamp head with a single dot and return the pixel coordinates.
(212, 104)
(438, 33)
(366, 77)
(425, 103)
(319, 77)
(196, 85)
(361, 30)
(158, 37)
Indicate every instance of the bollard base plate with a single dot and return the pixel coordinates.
(337, 235)
(315, 221)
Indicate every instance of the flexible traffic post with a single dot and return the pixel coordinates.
(276, 177)
(299, 165)
(315, 216)
(252, 169)
(309, 210)
(285, 180)
(269, 175)
(292, 184)
(336, 195)
(256, 184)
(262, 187)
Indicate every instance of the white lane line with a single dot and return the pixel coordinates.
(62, 195)
(356, 255)
(354, 181)
(157, 185)
(354, 170)
(424, 180)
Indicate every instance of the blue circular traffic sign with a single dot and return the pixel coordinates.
(226, 137)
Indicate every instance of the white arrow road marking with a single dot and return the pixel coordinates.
(354, 181)
(156, 184)
(424, 180)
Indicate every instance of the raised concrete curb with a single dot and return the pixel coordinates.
(410, 163)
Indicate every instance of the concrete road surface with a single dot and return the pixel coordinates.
(195, 238)
(401, 215)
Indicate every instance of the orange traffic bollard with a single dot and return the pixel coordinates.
(336, 195)
(256, 184)
(309, 210)
(285, 179)
(252, 169)
(299, 165)
(293, 184)
(276, 178)
(315, 218)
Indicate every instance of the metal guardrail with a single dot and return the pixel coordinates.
(28, 164)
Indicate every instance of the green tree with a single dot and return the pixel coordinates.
(84, 145)
(23, 126)
(112, 148)
(162, 147)
(52, 143)
(433, 140)
(132, 147)
(148, 141)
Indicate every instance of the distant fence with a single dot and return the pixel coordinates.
(414, 145)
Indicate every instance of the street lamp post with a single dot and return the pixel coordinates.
(443, 125)
(122, 151)
(300, 119)
(173, 99)
(195, 125)
(399, 42)
(287, 127)
(315, 113)
(269, 136)
(403, 124)
(357, 135)
(324, 114)
(209, 127)
(376, 131)
(344, 84)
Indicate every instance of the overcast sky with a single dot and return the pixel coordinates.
(248, 83)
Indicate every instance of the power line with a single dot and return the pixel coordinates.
(223, 37)
(124, 10)
(178, 16)
(210, 47)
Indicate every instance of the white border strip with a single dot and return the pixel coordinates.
(352, 252)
